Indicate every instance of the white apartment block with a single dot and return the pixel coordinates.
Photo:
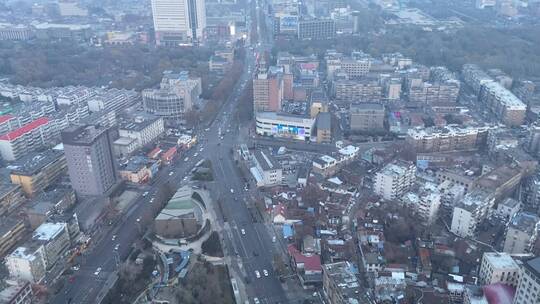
(466, 215)
(521, 233)
(498, 268)
(178, 20)
(394, 180)
(267, 170)
(425, 202)
(27, 263)
(143, 130)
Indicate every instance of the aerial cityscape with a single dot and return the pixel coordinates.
(270, 151)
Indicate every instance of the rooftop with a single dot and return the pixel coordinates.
(48, 231)
(34, 162)
(525, 221)
(533, 265)
(500, 260)
(324, 121)
(266, 161)
(82, 135)
(304, 120)
(137, 123)
(343, 275)
(366, 106)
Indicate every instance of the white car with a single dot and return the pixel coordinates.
(186, 159)
(152, 200)
(256, 301)
(243, 231)
(98, 270)
(114, 237)
(232, 190)
(196, 154)
(145, 193)
(116, 247)
(171, 173)
(265, 272)
(201, 149)
(257, 274)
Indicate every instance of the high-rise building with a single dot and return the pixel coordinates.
(177, 21)
(268, 90)
(498, 268)
(528, 290)
(90, 159)
(367, 117)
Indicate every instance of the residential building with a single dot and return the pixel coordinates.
(284, 125)
(28, 138)
(17, 292)
(139, 169)
(528, 289)
(71, 8)
(357, 90)
(178, 21)
(267, 170)
(112, 100)
(54, 237)
(504, 104)
(508, 208)
(470, 211)
(177, 95)
(319, 103)
(425, 202)
(306, 266)
(433, 93)
(14, 32)
(316, 29)
(27, 263)
(521, 233)
(12, 230)
(90, 159)
(324, 127)
(475, 77)
(367, 117)
(325, 165)
(394, 180)
(498, 268)
(268, 89)
(11, 197)
(446, 139)
(340, 284)
(37, 171)
(49, 204)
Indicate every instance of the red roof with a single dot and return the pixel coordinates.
(4, 118)
(311, 262)
(154, 153)
(25, 129)
(169, 153)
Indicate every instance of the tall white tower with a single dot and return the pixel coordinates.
(178, 21)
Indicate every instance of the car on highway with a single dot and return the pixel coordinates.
(145, 193)
(256, 301)
(273, 239)
(171, 173)
(265, 272)
(186, 159)
(232, 190)
(243, 231)
(152, 199)
(114, 237)
(116, 247)
(98, 270)
(196, 154)
(257, 274)
(75, 267)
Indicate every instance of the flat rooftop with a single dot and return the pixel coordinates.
(34, 162)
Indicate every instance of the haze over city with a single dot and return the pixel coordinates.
(269, 151)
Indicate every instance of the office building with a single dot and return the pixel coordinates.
(394, 180)
(447, 139)
(143, 129)
(340, 284)
(14, 32)
(528, 289)
(268, 88)
(498, 268)
(178, 21)
(316, 29)
(177, 95)
(37, 171)
(267, 170)
(71, 8)
(30, 137)
(367, 117)
(470, 211)
(54, 237)
(90, 159)
(284, 125)
(521, 233)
